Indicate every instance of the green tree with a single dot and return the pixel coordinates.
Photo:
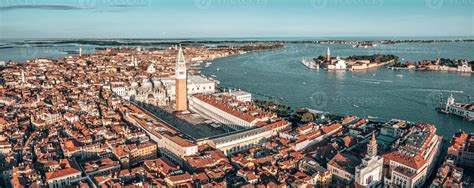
(307, 117)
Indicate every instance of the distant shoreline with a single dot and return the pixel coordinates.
(155, 42)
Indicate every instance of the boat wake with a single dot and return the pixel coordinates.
(370, 82)
(376, 80)
(439, 90)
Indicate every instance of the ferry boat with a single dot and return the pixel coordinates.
(208, 64)
(310, 64)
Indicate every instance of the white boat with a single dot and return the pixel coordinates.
(208, 64)
(218, 69)
(399, 75)
(309, 63)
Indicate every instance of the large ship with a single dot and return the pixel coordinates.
(310, 63)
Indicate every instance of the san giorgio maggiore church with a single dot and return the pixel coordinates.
(161, 91)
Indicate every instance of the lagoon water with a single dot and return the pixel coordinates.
(380, 93)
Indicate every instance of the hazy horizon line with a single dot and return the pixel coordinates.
(240, 37)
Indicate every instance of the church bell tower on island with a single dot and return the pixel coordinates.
(181, 82)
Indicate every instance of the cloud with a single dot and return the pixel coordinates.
(42, 7)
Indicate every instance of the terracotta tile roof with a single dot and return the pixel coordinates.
(180, 141)
(61, 173)
(181, 177)
(349, 141)
(120, 152)
(415, 162)
(210, 158)
(359, 123)
(348, 120)
(277, 124)
(249, 116)
(330, 128)
(201, 177)
(161, 165)
(305, 127)
(2, 121)
(345, 162)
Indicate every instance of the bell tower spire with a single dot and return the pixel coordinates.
(328, 55)
(181, 82)
(372, 146)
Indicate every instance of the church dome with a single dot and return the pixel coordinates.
(134, 84)
(146, 84)
(156, 82)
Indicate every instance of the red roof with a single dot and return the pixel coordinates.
(61, 173)
(222, 105)
(415, 162)
(345, 162)
(331, 128)
(161, 165)
(180, 141)
(180, 178)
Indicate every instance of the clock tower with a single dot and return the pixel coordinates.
(181, 82)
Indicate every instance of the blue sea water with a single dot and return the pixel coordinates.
(381, 93)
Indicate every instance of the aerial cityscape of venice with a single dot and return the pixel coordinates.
(237, 93)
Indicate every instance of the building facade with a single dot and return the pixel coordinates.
(369, 172)
(414, 159)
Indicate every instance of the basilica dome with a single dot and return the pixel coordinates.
(147, 84)
(134, 84)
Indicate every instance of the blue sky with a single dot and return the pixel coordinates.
(234, 18)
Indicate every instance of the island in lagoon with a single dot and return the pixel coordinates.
(440, 64)
(353, 63)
